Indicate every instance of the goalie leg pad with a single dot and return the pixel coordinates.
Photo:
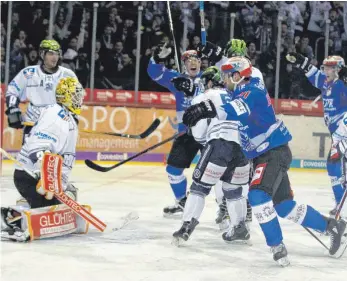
(53, 221)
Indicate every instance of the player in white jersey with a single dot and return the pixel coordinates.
(221, 159)
(218, 57)
(35, 84)
(55, 131)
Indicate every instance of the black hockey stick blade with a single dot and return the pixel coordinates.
(143, 135)
(99, 168)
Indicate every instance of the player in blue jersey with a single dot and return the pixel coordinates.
(334, 96)
(264, 139)
(184, 148)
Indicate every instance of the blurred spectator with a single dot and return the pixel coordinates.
(319, 12)
(304, 48)
(126, 73)
(61, 28)
(250, 18)
(82, 66)
(335, 32)
(292, 16)
(204, 64)
(107, 39)
(32, 58)
(253, 55)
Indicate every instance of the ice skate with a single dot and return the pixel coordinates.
(175, 210)
(223, 219)
(280, 255)
(184, 232)
(237, 235)
(338, 237)
(10, 226)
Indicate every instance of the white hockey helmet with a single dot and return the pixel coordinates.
(242, 65)
(333, 61)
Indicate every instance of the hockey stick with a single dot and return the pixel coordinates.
(55, 183)
(342, 202)
(202, 19)
(99, 168)
(312, 104)
(173, 35)
(315, 237)
(143, 135)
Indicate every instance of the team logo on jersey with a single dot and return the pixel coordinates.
(49, 78)
(197, 174)
(43, 136)
(29, 72)
(262, 146)
(48, 87)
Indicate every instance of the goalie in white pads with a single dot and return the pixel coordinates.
(55, 131)
(221, 159)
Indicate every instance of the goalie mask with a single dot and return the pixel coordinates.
(70, 94)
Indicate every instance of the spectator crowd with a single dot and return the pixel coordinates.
(303, 27)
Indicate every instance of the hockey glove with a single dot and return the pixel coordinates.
(14, 117)
(161, 53)
(44, 192)
(211, 51)
(196, 112)
(343, 74)
(299, 61)
(184, 84)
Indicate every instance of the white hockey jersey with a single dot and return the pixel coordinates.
(208, 129)
(56, 131)
(36, 86)
(255, 71)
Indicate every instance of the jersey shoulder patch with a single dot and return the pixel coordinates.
(28, 72)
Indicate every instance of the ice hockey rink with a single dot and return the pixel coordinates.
(142, 250)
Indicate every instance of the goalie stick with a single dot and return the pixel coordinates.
(99, 168)
(143, 135)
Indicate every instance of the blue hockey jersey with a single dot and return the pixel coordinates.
(160, 74)
(334, 96)
(259, 128)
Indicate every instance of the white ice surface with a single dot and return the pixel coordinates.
(142, 251)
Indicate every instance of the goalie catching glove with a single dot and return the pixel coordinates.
(196, 112)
